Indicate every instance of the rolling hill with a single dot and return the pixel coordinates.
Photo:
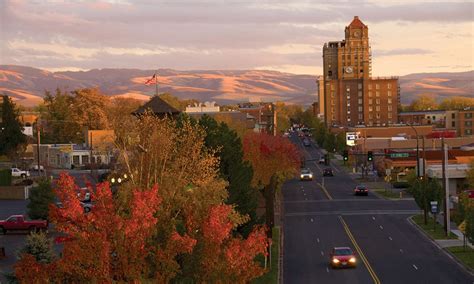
(27, 85)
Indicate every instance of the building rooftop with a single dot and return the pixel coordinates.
(357, 23)
(421, 112)
(158, 106)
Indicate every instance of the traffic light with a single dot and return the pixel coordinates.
(370, 156)
(346, 155)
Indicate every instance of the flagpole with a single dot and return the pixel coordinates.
(156, 82)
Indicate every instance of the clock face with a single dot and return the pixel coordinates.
(349, 70)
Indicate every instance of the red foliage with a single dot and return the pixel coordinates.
(218, 226)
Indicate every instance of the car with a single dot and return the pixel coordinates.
(306, 174)
(19, 222)
(306, 143)
(16, 172)
(35, 168)
(328, 172)
(342, 257)
(322, 160)
(361, 190)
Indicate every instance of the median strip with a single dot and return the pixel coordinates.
(359, 250)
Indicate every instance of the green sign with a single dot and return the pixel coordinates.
(399, 155)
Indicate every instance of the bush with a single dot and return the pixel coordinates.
(401, 184)
(5, 177)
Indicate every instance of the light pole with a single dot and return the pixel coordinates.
(417, 153)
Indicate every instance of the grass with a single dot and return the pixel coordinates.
(272, 275)
(387, 194)
(437, 233)
(465, 256)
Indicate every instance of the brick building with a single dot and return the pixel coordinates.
(348, 93)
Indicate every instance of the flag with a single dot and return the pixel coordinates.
(150, 81)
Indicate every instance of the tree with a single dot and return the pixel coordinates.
(237, 172)
(90, 108)
(57, 116)
(40, 247)
(41, 197)
(274, 159)
(176, 102)
(470, 175)
(12, 139)
(456, 103)
(423, 102)
(424, 191)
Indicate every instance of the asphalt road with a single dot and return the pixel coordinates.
(324, 213)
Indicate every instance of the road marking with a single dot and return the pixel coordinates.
(373, 218)
(401, 251)
(311, 219)
(359, 212)
(337, 170)
(327, 269)
(381, 228)
(359, 250)
(317, 239)
(414, 266)
(325, 191)
(390, 238)
(322, 252)
(305, 198)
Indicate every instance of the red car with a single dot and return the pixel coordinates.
(342, 257)
(361, 190)
(18, 222)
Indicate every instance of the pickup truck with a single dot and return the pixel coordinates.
(19, 222)
(16, 172)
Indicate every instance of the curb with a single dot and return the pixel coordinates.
(448, 253)
(391, 199)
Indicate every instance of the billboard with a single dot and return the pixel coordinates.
(351, 137)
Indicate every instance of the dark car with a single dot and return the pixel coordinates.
(342, 257)
(361, 190)
(328, 172)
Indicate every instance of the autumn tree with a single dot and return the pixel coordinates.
(274, 159)
(57, 119)
(285, 113)
(423, 102)
(456, 103)
(90, 108)
(119, 111)
(237, 172)
(12, 139)
(424, 191)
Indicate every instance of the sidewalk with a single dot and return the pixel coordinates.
(455, 231)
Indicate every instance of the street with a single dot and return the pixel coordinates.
(324, 213)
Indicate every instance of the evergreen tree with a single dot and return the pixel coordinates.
(233, 168)
(12, 139)
(40, 198)
(39, 246)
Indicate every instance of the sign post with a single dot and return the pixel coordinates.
(434, 210)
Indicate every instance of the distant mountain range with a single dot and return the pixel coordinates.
(27, 85)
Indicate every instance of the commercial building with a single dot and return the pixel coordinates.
(349, 94)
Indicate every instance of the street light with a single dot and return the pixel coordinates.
(417, 153)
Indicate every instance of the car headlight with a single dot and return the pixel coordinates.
(352, 260)
(302, 176)
(335, 260)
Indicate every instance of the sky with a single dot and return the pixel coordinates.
(284, 35)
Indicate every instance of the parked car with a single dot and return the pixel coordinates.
(361, 190)
(16, 172)
(35, 168)
(19, 222)
(306, 174)
(322, 160)
(342, 257)
(327, 172)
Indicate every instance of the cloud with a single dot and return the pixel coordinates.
(402, 51)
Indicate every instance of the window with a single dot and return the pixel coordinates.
(389, 93)
(377, 86)
(377, 115)
(332, 87)
(377, 108)
(453, 124)
(389, 115)
(389, 101)
(468, 123)
(370, 87)
(359, 86)
(359, 93)
(85, 159)
(361, 116)
(329, 73)
(360, 109)
(348, 89)
(370, 94)
(360, 101)
(75, 160)
(333, 93)
(370, 116)
(371, 108)
(370, 101)
(390, 108)
(389, 86)
(453, 115)
(468, 115)
(468, 131)
(377, 93)
(377, 101)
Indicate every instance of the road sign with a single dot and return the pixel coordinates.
(399, 155)
(434, 207)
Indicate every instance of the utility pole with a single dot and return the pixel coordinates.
(38, 142)
(446, 188)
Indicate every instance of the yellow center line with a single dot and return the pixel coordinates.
(358, 249)
(325, 191)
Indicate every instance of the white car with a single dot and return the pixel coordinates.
(16, 172)
(35, 168)
(306, 174)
